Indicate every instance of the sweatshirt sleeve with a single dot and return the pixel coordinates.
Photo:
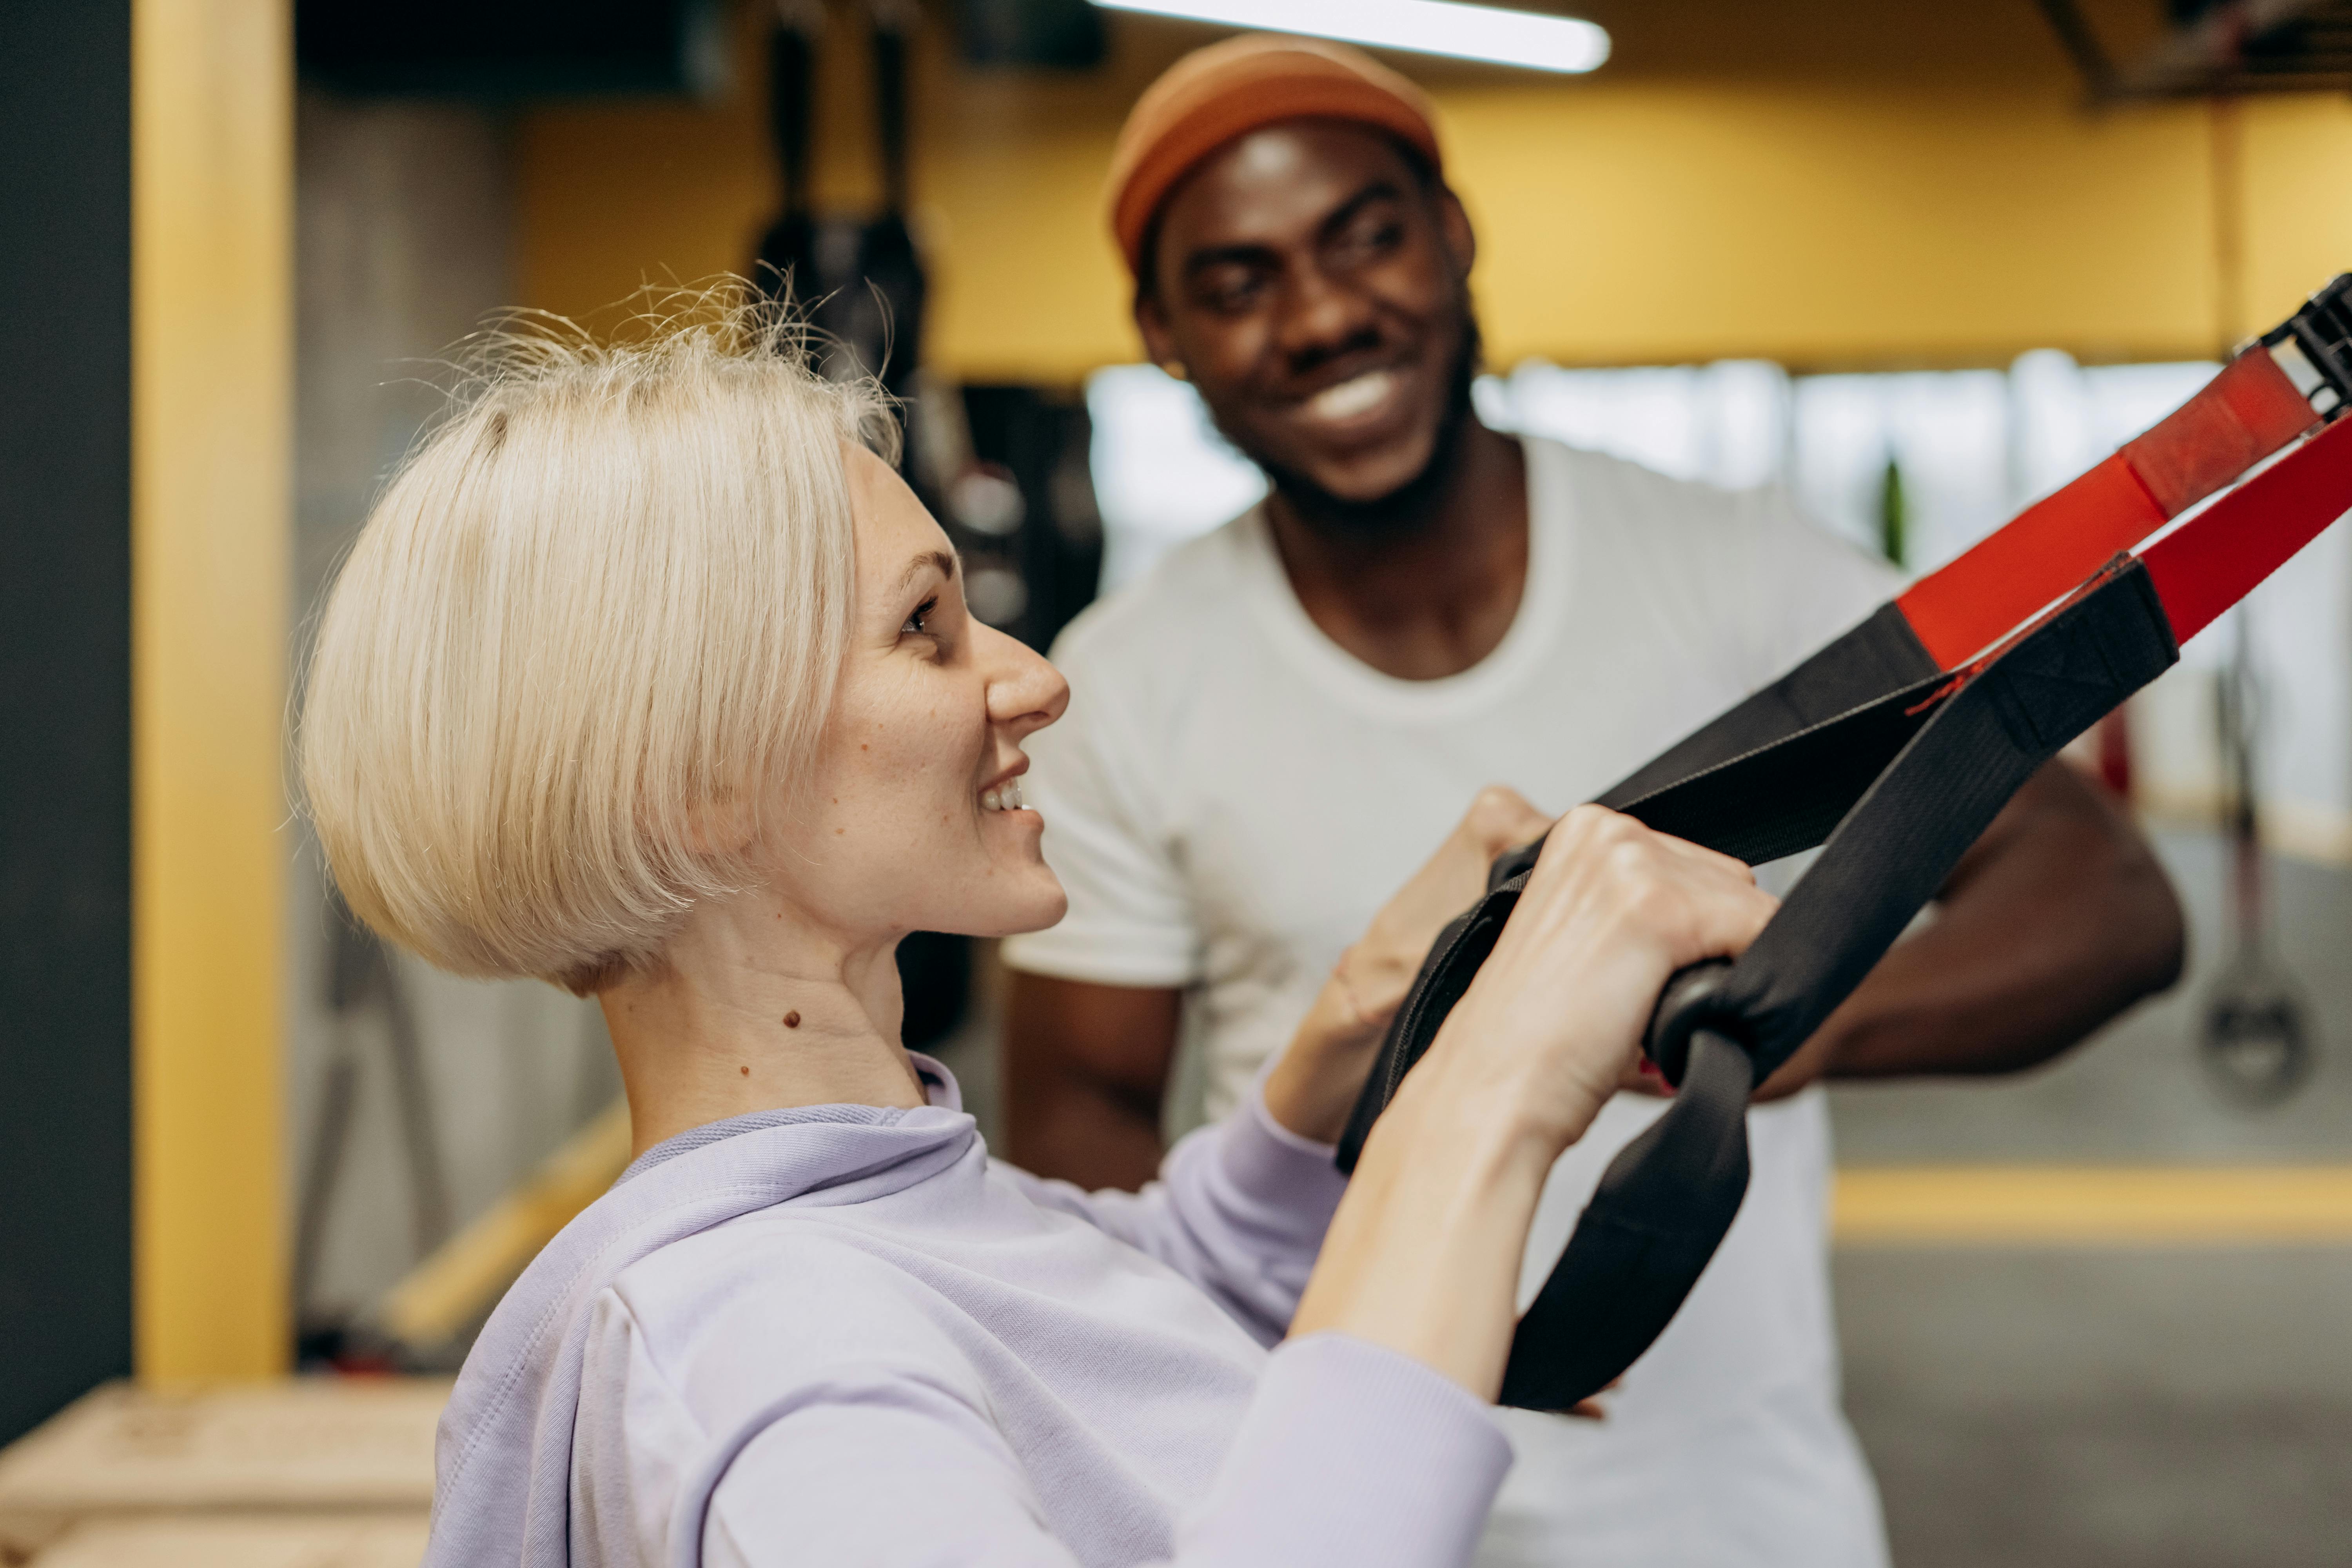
(1240, 1209)
(1348, 1453)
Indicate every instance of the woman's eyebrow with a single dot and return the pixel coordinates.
(938, 558)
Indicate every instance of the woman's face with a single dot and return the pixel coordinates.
(913, 819)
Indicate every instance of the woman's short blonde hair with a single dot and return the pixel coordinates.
(586, 640)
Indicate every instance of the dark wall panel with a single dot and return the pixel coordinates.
(65, 702)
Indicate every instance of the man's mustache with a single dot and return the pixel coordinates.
(1402, 508)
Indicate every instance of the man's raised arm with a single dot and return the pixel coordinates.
(2058, 920)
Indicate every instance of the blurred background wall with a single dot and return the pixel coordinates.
(1821, 182)
(407, 1119)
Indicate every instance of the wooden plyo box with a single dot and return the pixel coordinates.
(306, 1447)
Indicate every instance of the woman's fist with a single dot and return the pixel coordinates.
(1549, 1027)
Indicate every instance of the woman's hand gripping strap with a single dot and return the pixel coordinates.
(1669, 1196)
(1452, 962)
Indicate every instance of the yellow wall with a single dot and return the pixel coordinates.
(1872, 227)
(1823, 182)
(211, 373)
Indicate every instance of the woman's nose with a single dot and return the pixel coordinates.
(1025, 691)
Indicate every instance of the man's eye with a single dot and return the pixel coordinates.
(1374, 238)
(919, 623)
(1230, 291)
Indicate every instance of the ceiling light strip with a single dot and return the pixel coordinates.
(1489, 33)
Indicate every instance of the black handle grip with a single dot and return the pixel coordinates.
(1513, 863)
(1692, 999)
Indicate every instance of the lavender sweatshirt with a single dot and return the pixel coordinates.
(842, 1335)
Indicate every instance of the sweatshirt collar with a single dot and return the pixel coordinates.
(940, 1087)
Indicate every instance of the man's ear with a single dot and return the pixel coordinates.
(1151, 321)
(1454, 223)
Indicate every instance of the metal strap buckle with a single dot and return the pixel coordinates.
(2314, 346)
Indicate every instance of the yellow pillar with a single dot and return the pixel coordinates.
(212, 184)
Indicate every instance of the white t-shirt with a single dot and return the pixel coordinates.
(1231, 798)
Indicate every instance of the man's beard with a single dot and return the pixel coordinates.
(1412, 503)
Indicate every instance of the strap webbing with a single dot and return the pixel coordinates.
(2245, 414)
(1899, 765)
(2211, 562)
(2242, 415)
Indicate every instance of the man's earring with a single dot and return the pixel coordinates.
(1175, 367)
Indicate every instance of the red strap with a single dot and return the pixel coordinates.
(2244, 415)
(2217, 558)
(2051, 546)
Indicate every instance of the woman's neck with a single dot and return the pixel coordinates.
(751, 1010)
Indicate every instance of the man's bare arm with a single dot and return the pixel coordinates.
(2056, 921)
(1085, 1067)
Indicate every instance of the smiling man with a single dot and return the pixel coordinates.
(1270, 732)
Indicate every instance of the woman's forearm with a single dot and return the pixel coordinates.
(1423, 1257)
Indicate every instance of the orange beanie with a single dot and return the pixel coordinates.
(1229, 88)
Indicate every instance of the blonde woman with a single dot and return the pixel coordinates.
(649, 677)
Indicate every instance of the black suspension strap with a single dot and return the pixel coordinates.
(1895, 765)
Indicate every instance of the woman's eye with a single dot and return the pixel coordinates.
(919, 623)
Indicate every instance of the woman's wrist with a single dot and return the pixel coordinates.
(1457, 1097)
(1423, 1254)
(1312, 1089)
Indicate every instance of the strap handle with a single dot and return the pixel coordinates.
(1659, 1212)
(1668, 1198)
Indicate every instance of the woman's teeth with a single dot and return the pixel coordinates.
(1007, 799)
(1357, 394)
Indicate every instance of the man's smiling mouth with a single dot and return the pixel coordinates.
(1353, 398)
